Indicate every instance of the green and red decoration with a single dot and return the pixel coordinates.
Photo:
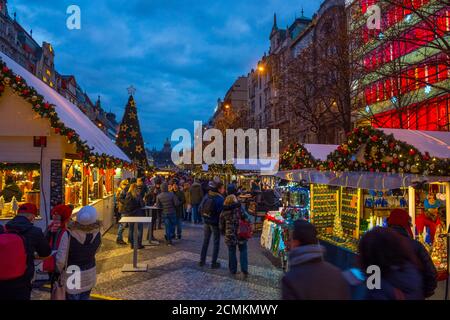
(296, 157)
(47, 110)
(371, 150)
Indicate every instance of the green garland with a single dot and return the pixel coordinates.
(368, 149)
(296, 157)
(47, 110)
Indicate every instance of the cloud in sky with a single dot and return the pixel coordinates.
(181, 55)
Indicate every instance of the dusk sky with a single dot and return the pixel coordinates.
(181, 55)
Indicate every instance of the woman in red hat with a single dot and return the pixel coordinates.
(57, 229)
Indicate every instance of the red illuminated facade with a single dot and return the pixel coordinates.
(416, 94)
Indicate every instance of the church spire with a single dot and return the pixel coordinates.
(275, 27)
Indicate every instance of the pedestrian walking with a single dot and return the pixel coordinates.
(19, 241)
(236, 228)
(393, 254)
(168, 202)
(134, 203)
(187, 203)
(121, 194)
(310, 277)
(179, 210)
(56, 231)
(78, 249)
(211, 208)
(400, 221)
(196, 198)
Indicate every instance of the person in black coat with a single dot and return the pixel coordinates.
(399, 275)
(134, 203)
(35, 242)
(310, 277)
(399, 221)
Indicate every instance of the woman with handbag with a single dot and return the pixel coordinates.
(235, 226)
(78, 252)
(56, 231)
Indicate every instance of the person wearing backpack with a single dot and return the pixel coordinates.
(79, 249)
(210, 209)
(235, 226)
(19, 241)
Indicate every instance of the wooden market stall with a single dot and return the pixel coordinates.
(50, 152)
(356, 187)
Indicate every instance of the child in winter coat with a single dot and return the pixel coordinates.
(79, 250)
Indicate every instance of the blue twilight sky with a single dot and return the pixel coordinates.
(181, 55)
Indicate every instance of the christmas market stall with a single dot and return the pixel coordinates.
(51, 153)
(295, 196)
(374, 172)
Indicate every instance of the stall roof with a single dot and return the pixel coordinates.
(69, 114)
(436, 143)
(320, 151)
(363, 180)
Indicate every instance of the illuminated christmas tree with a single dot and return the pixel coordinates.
(439, 250)
(130, 137)
(338, 231)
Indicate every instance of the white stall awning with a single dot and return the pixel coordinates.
(69, 114)
(436, 143)
(320, 151)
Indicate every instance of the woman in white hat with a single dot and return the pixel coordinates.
(81, 246)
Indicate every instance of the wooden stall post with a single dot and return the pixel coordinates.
(412, 208)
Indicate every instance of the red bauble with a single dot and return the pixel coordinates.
(47, 106)
(384, 165)
(356, 130)
(331, 164)
(412, 152)
(57, 130)
(395, 161)
(5, 69)
(374, 138)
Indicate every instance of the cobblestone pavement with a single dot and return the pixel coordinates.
(173, 272)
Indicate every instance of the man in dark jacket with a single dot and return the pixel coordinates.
(168, 202)
(211, 208)
(196, 192)
(399, 220)
(35, 242)
(310, 277)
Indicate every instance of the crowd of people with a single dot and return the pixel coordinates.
(183, 199)
(406, 269)
(65, 243)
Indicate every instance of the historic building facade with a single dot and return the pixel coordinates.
(19, 44)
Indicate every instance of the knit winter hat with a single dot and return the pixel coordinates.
(400, 218)
(65, 212)
(87, 215)
(29, 208)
